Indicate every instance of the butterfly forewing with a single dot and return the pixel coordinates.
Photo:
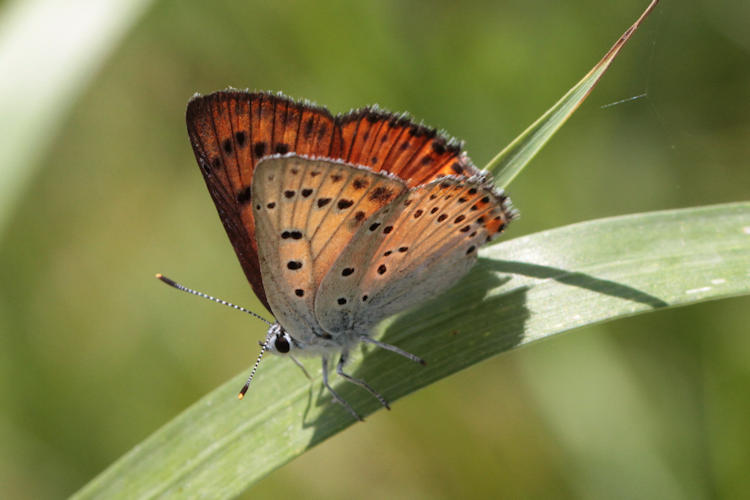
(349, 196)
(284, 251)
(307, 211)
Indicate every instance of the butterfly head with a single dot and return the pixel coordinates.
(278, 341)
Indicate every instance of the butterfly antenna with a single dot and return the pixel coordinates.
(263, 348)
(264, 345)
(176, 285)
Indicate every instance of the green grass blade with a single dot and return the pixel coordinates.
(521, 290)
(510, 161)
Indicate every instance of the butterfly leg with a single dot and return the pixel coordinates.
(359, 382)
(392, 348)
(335, 395)
(301, 366)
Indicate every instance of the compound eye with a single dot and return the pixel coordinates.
(281, 344)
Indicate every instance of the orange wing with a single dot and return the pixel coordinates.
(230, 132)
(386, 141)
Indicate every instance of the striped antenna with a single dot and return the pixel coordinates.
(264, 345)
(176, 285)
(263, 348)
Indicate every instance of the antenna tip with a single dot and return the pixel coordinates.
(244, 388)
(166, 280)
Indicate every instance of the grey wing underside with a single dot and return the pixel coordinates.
(422, 246)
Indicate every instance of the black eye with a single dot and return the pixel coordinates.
(281, 344)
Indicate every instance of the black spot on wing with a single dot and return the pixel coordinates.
(381, 194)
(244, 195)
(309, 124)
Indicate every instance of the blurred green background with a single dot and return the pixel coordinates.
(95, 354)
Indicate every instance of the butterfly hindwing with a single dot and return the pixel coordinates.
(427, 241)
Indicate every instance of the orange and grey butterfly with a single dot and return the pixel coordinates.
(340, 221)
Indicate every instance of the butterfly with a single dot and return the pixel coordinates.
(339, 221)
